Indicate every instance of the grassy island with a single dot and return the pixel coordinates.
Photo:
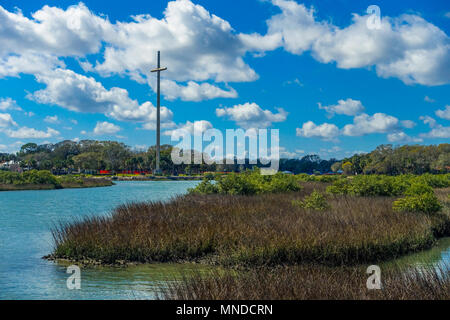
(249, 219)
(276, 228)
(44, 180)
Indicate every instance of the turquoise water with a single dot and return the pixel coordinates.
(26, 218)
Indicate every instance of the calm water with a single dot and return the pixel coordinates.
(438, 257)
(26, 218)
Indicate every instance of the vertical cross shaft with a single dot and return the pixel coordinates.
(158, 117)
(158, 113)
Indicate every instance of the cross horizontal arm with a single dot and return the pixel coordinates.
(159, 69)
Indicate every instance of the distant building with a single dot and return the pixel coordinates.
(11, 166)
(6, 165)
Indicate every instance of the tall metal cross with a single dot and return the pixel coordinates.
(158, 113)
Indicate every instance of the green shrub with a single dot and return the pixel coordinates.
(70, 179)
(303, 177)
(248, 183)
(388, 186)
(208, 176)
(341, 186)
(328, 179)
(278, 183)
(434, 180)
(426, 203)
(418, 189)
(29, 177)
(315, 201)
(205, 187)
(377, 186)
(237, 184)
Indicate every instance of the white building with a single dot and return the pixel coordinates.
(8, 164)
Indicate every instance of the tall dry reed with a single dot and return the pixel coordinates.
(252, 231)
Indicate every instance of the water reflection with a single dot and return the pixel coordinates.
(437, 258)
(132, 282)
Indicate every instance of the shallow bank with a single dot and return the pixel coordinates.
(88, 183)
(84, 183)
(156, 178)
(21, 187)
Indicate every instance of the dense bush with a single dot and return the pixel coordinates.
(380, 185)
(341, 186)
(426, 203)
(237, 184)
(375, 186)
(433, 180)
(252, 182)
(70, 179)
(313, 178)
(35, 179)
(418, 189)
(248, 183)
(29, 177)
(420, 197)
(205, 187)
(315, 201)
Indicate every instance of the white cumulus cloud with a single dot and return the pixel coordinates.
(408, 124)
(444, 114)
(401, 137)
(79, 93)
(8, 104)
(193, 91)
(6, 120)
(325, 131)
(31, 133)
(347, 107)
(438, 131)
(51, 119)
(406, 47)
(194, 128)
(364, 124)
(198, 47)
(106, 128)
(251, 115)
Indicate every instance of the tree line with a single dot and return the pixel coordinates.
(92, 156)
(407, 159)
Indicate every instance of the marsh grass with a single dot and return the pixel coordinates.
(263, 230)
(310, 282)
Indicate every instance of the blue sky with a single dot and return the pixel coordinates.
(313, 69)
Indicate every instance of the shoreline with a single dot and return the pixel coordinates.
(156, 178)
(204, 261)
(45, 187)
(106, 182)
(212, 261)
